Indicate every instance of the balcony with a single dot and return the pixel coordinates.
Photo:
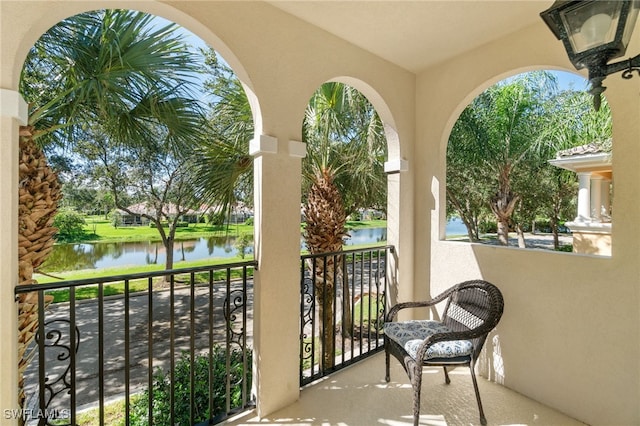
(359, 396)
(114, 352)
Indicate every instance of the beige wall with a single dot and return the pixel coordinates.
(570, 333)
(591, 243)
(281, 61)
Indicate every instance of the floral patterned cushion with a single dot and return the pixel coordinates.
(410, 335)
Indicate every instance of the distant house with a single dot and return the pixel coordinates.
(135, 218)
(592, 225)
(139, 210)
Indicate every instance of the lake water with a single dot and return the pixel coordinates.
(67, 257)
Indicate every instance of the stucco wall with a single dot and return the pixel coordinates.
(281, 60)
(570, 333)
(570, 336)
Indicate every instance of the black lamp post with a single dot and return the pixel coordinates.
(594, 32)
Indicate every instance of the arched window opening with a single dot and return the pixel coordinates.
(344, 180)
(513, 160)
(344, 190)
(138, 134)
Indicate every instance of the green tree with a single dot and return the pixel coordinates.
(497, 133)
(222, 170)
(70, 225)
(152, 175)
(343, 169)
(114, 68)
(499, 149)
(574, 122)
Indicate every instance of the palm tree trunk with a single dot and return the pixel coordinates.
(503, 204)
(325, 221)
(39, 194)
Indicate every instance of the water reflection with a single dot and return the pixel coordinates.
(69, 257)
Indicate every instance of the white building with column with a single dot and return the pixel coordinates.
(591, 227)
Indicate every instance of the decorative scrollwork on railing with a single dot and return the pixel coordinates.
(233, 308)
(58, 379)
(308, 306)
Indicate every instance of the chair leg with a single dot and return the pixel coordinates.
(387, 376)
(415, 376)
(446, 376)
(483, 420)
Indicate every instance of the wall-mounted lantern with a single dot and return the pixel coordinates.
(594, 32)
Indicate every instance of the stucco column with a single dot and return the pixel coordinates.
(13, 113)
(605, 185)
(277, 180)
(584, 196)
(596, 198)
(396, 170)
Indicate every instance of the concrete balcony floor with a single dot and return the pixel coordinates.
(359, 396)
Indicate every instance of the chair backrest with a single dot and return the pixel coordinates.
(474, 305)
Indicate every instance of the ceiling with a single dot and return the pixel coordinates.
(417, 34)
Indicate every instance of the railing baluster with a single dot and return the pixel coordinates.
(72, 354)
(127, 349)
(244, 335)
(172, 349)
(370, 269)
(353, 305)
(192, 347)
(150, 347)
(314, 316)
(41, 355)
(303, 298)
(228, 342)
(101, 349)
(361, 300)
(211, 323)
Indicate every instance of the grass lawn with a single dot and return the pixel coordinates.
(99, 229)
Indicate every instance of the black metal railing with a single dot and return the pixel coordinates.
(171, 347)
(342, 307)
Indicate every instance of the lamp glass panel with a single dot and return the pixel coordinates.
(591, 24)
(631, 22)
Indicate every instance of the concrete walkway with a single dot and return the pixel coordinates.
(88, 360)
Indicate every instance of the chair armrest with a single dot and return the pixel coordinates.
(445, 337)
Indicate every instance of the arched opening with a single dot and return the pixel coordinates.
(344, 193)
(503, 154)
(115, 106)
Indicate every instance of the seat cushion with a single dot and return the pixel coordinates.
(411, 334)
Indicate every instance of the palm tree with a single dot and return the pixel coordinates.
(499, 147)
(114, 68)
(346, 148)
(223, 169)
(496, 134)
(343, 169)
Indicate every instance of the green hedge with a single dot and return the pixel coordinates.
(162, 389)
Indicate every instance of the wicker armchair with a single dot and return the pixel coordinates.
(472, 310)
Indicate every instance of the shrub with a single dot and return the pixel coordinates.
(568, 248)
(70, 226)
(242, 244)
(162, 388)
(488, 227)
